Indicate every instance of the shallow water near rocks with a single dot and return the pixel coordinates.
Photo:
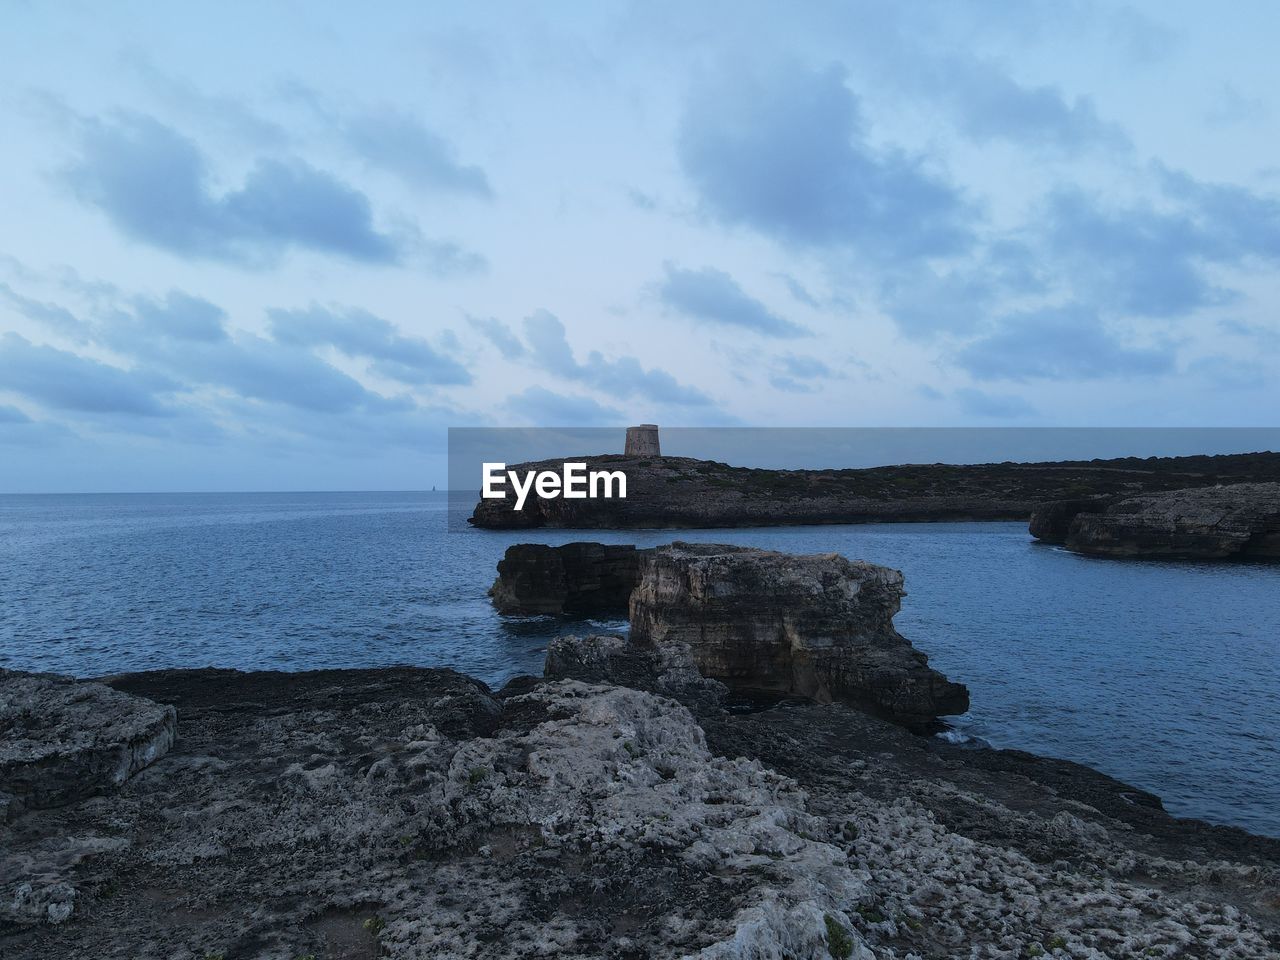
(1166, 675)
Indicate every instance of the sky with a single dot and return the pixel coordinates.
(288, 245)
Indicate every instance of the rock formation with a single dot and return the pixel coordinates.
(1051, 522)
(1239, 521)
(815, 626)
(668, 670)
(757, 621)
(683, 492)
(583, 579)
(414, 815)
(62, 740)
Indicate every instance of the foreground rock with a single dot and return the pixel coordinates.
(815, 626)
(683, 492)
(413, 814)
(62, 740)
(1239, 521)
(584, 579)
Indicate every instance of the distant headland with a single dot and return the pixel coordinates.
(684, 492)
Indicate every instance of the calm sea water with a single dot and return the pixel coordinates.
(1164, 675)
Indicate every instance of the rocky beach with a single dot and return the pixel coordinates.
(649, 796)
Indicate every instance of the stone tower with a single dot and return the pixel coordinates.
(642, 441)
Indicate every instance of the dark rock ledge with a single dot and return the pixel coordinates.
(1235, 521)
(582, 579)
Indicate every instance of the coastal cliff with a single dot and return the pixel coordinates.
(1237, 521)
(675, 492)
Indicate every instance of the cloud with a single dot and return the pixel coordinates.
(549, 409)
(402, 145)
(799, 291)
(19, 430)
(179, 315)
(183, 336)
(66, 381)
(991, 105)
(787, 154)
(797, 374)
(1140, 260)
(500, 335)
(623, 377)
(1233, 222)
(262, 369)
(713, 296)
(358, 333)
(1149, 259)
(992, 405)
(923, 302)
(153, 184)
(1233, 373)
(1060, 343)
(445, 258)
(228, 115)
(1262, 337)
(52, 315)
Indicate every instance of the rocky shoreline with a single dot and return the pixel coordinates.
(679, 492)
(1234, 521)
(620, 807)
(414, 813)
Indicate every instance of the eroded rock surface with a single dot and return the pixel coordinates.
(61, 740)
(412, 814)
(577, 578)
(1210, 523)
(668, 669)
(817, 626)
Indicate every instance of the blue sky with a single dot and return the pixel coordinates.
(285, 246)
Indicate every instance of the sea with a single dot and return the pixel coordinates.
(1165, 675)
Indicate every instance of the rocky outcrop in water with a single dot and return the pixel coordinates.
(583, 579)
(816, 626)
(1239, 521)
(1051, 522)
(63, 740)
(414, 814)
(678, 492)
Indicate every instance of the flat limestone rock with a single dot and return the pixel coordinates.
(63, 739)
(817, 626)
